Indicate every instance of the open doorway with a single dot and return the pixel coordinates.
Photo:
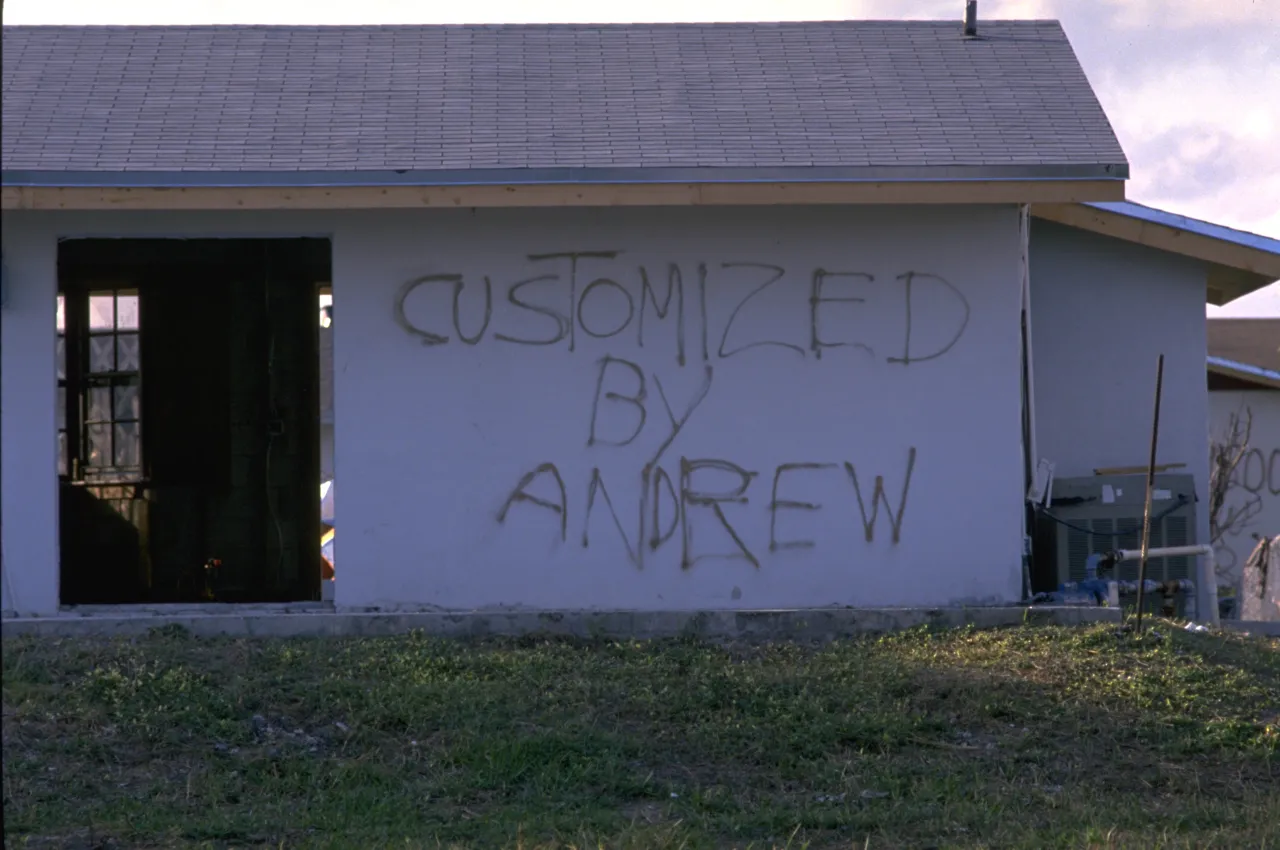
(189, 447)
(327, 530)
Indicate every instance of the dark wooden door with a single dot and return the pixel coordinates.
(103, 487)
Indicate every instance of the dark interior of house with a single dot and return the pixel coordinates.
(188, 430)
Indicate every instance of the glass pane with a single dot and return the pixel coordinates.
(128, 444)
(62, 407)
(99, 445)
(60, 356)
(62, 313)
(62, 452)
(127, 311)
(102, 351)
(128, 405)
(102, 312)
(99, 405)
(127, 359)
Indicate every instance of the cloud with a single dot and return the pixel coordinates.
(1192, 14)
(1203, 139)
(943, 9)
(1169, 91)
(1206, 173)
(409, 11)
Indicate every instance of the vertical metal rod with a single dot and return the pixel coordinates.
(1151, 481)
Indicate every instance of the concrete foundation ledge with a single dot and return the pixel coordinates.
(1258, 628)
(293, 621)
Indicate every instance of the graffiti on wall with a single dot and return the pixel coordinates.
(1252, 491)
(594, 295)
(614, 299)
(1260, 471)
(666, 499)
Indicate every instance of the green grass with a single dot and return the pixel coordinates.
(1028, 737)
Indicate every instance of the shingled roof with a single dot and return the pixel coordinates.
(850, 100)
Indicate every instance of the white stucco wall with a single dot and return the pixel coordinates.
(426, 512)
(1103, 310)
(1256, 484)
(433, 440)
(28, 388)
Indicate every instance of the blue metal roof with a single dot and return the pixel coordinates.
(1244, 368)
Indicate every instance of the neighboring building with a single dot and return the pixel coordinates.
(634, 317)
(1244, 401)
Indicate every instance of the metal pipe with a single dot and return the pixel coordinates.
(971, 18)
(1207, 575)
(1151, 483)
(1029, 456)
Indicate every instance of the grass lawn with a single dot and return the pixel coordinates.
(1025, 737)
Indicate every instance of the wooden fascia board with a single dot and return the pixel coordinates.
(569, 195)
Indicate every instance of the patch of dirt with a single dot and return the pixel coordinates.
(648, 813)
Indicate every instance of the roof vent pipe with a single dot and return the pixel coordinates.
(971, 17)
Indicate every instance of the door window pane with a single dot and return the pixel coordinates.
(102, 353)
(102, 312)
(62, 452)
(127, 403)
(128, 444)
(99, 409)
(60, 356)
(127, 359)
(127, 312)
(99, 445)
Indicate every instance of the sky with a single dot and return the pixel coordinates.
(1192, 87)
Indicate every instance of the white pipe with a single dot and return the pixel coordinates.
(1206, 580)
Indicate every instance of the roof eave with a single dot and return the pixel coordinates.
(1236, 263)
(1227, 283)
(558, 176)
(551, 188)
(1244, 372)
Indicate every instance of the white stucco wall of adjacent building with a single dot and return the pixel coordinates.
(1103, 310)
(1255, 488)
(757, 449)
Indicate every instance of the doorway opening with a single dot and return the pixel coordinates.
(188, 441)
(327, 574)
